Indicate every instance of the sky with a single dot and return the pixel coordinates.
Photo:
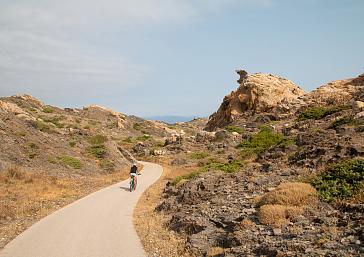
(172, 57)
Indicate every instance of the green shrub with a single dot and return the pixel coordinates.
(40, 125)
(145, 137)
(70, 162)
(340, 180)
(189, 176)
(199, 155)
(234, 129)
(348, 120)
(137, 126)
(99, 151)
(54, 121)
(260, 142)
(230, 167)
(72, 143)
(97, 139)
(316, 113)
(107, 165)
(341, 121)
(48, 110)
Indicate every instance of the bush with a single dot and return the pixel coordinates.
(145, 137)
(107, 165)
(97, 139)
(72, 143)
(70, 162)
(348, 120)
(54, 121)
(235, 129)
(137, 126)
(260, 142)
(340, 181)
(316, 113)
(276, 214)
(99, 151)
(48, 110)
(293, 194)
(199, 155)
(40, 125)
(229, 167)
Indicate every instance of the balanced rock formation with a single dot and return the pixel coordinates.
(257, 93)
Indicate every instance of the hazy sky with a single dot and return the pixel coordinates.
(163, 57)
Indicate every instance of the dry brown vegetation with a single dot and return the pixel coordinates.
(156, 238)
(26, 196)
(285, 203)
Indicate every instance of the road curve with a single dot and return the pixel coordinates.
(99, 225)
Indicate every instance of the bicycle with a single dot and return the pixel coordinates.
(133, 182)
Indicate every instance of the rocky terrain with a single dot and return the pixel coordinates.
(274, 172)
(281, 173)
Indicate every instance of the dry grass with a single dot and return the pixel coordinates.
(285, 203)
(27, 196)
(215, 251)
(247, 224)
(156, 238)
(276, 214)
(293, 194)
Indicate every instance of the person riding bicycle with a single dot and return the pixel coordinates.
(133, 174)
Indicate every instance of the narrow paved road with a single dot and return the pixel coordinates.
(99, 225)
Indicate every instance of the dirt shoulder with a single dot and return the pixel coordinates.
(27, 196)
(150, 225)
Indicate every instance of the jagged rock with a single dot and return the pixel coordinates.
(257, 93)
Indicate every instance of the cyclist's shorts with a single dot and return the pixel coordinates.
(133, 174)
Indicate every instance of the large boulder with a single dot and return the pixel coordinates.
(257, 93)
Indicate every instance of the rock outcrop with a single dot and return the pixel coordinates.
(257, 93)
(337, 92)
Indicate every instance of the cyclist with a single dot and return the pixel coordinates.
(133, 175)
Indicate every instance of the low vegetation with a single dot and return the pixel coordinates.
(42, 126)
(347, 120)
(229, 167)
(98, 151)
(70, 161)
(316, 113)
(199, 155)
(340, 181)
(97, 139)
(48, 110)
(234, 129)
(260, 142)
(286, 202)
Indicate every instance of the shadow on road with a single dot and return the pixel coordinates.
(125, 188)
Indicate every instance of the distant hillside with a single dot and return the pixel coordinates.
(171, 119)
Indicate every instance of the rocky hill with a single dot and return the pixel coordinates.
(265, 93)
(257, 93)
(276, 177)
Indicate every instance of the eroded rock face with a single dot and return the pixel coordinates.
(257, 93)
